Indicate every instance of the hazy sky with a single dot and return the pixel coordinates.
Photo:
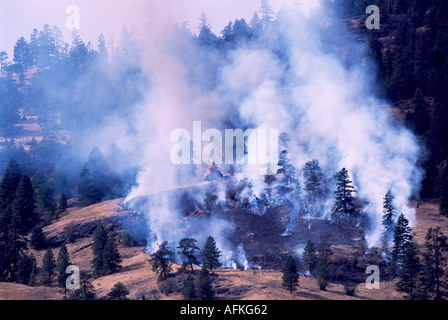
(19, 17)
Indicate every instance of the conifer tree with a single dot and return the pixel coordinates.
(12, 244)
(161, 261)
(309, 257)
(9, 184)
(189, 290)
(434, 262)
(62, 263)
(210, 255)
(99, 241)
(410, 270)
(86, 290)
(24, 204)
(111, 256)
(323, 271)
(313, 184)
(118, 292)
(344, 194)
(26, 269)
(37, 239)
(290, 276)
(402, 238)
(47, 271)
(388, 215)
(62, 203)
(187, 248)
(204, 289)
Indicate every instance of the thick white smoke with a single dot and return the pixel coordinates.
(291, 79)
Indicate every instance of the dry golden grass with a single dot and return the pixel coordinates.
(137, 276)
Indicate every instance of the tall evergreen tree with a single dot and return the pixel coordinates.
(402, 238)
(99, 241)
(389, 212)
(313, 175)
(111, 256)
(12, 244)
(26, 270)
(161, 261)
(309, 257)
(210, 255)
(187, 248)
(410, 271)
(345, 201)
(10, 182)
(204, 289)
(47, 271)
(62, 263)
(38, 240)
(119, 292)
(24, 204)
(434, 262)
(290, 276)
(323, 270)
(189, 290)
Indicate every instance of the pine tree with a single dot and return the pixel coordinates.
(111, 256)
(12, 244)
(323, 271)
(290, 276)
(99, 241)
(189, 290)
(161, 261)
(344, 194)
(26, 270)
(118, 292)
(187, 248)
(434, 262)
(313, 176)
(210, 255)
(309, 257)
(24, 203)
(410, 270)
(86, 290)
(47, 271)
(267, 14)
(62, 204)
(389, 212)
(402, 238)
(62, 263)
(38, 240)
(204, 289)
(10, 182)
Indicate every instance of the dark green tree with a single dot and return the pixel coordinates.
(62, 204)
(313, 176)
(26, 270)
(47, 272)
(118, 292)
(161, 261)
(24, 204)
(62, 263)
(111, 256)
(290, 276)
(38, 240)
(389, 212)
(434, 262)
(12, 244)
(189, 290)
(402, 238)
(99, 241)
(345, 201)
(204, 288)
(309, 257)
(323, 270)
(210, 255)
(410, 271)
(187, 248)
(10, 182)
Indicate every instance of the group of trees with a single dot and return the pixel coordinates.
(208, 258)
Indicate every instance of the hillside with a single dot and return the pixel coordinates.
(137, 276)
